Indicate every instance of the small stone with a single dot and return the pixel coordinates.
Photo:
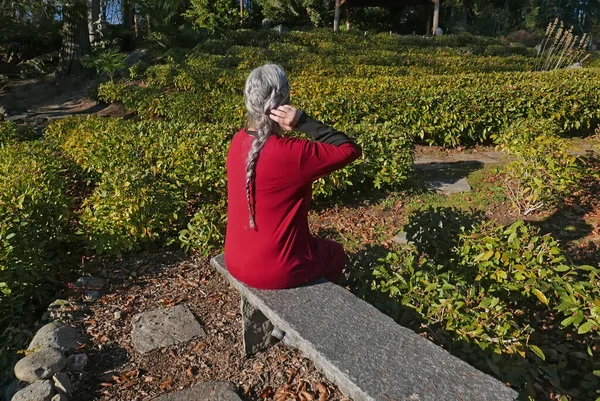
(40, 365)
(39, 391)
(61, 310)
(93, 294)
(281, 29)
(400, 238)
(13, 388)
(62, 383)
(90, 283)
(164, 327)
(117, 315)
(60, 397)
(76, 363)
(55, 335)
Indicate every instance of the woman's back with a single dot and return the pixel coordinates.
(279, 250)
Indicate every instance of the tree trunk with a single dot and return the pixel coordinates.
(427, 18)
(336, 19)
(94, 19)
(127, 8)
(436, 16)
(128, 12)
(347, 18)
(75, 37)
(242, 12)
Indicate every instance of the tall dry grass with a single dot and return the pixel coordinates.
(561, 48)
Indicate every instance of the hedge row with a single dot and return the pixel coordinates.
(446, 111)
(35, 222)
(153, 176)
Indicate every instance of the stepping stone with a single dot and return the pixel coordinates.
(164, 327)
(212, 391)
(450, 186)
(55, 335)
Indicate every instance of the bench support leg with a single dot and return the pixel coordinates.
(257, 329)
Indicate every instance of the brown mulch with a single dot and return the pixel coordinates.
(117, 372)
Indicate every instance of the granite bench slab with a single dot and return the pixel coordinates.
(364, 352)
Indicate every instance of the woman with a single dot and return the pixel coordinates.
(268, 244)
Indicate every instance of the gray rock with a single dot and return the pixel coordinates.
(400, 238)
(450, 186)
(40, 365)
(266, 23)
(211, 391)
(76, 363)
(55, 335)
(575, 66)
(90, 283)
(39, 391)
(281, 29)
(60, 397)
(438, 32)
(62, 383)
(163, 327)
(364, 352)
(61, 309)
(93, 294)
(13, 388)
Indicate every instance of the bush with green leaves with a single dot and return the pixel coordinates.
(35, 223)
(12, 132)
(130, 209)
(108, 62)
(544, 171)
(205, 232)
(502, 299)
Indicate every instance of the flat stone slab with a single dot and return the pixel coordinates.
(212, 391)
(164, 327)
(40, 365)
(55, 335)
(364, 352)
(450, 186)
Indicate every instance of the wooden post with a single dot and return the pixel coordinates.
(436, 15)
(242, 11)
(347, 18)
(336, 19)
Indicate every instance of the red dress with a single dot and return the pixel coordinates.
(280, 252)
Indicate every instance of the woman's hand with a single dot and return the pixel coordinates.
(286, 116)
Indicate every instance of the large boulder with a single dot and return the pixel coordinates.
(55, 335)
(40, 365)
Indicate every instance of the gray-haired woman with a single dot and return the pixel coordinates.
(269, 177)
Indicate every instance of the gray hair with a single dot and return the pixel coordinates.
(267, 88)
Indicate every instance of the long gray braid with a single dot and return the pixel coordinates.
(266, 89)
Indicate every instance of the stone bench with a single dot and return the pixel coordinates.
(363, 351)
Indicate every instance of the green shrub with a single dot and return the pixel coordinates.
(205, 232)
(502, 299)
(34, 230)
(544, 171)
(108, 62)
(130, 209)
(12, 132)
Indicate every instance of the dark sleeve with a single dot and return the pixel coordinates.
(320, 132)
